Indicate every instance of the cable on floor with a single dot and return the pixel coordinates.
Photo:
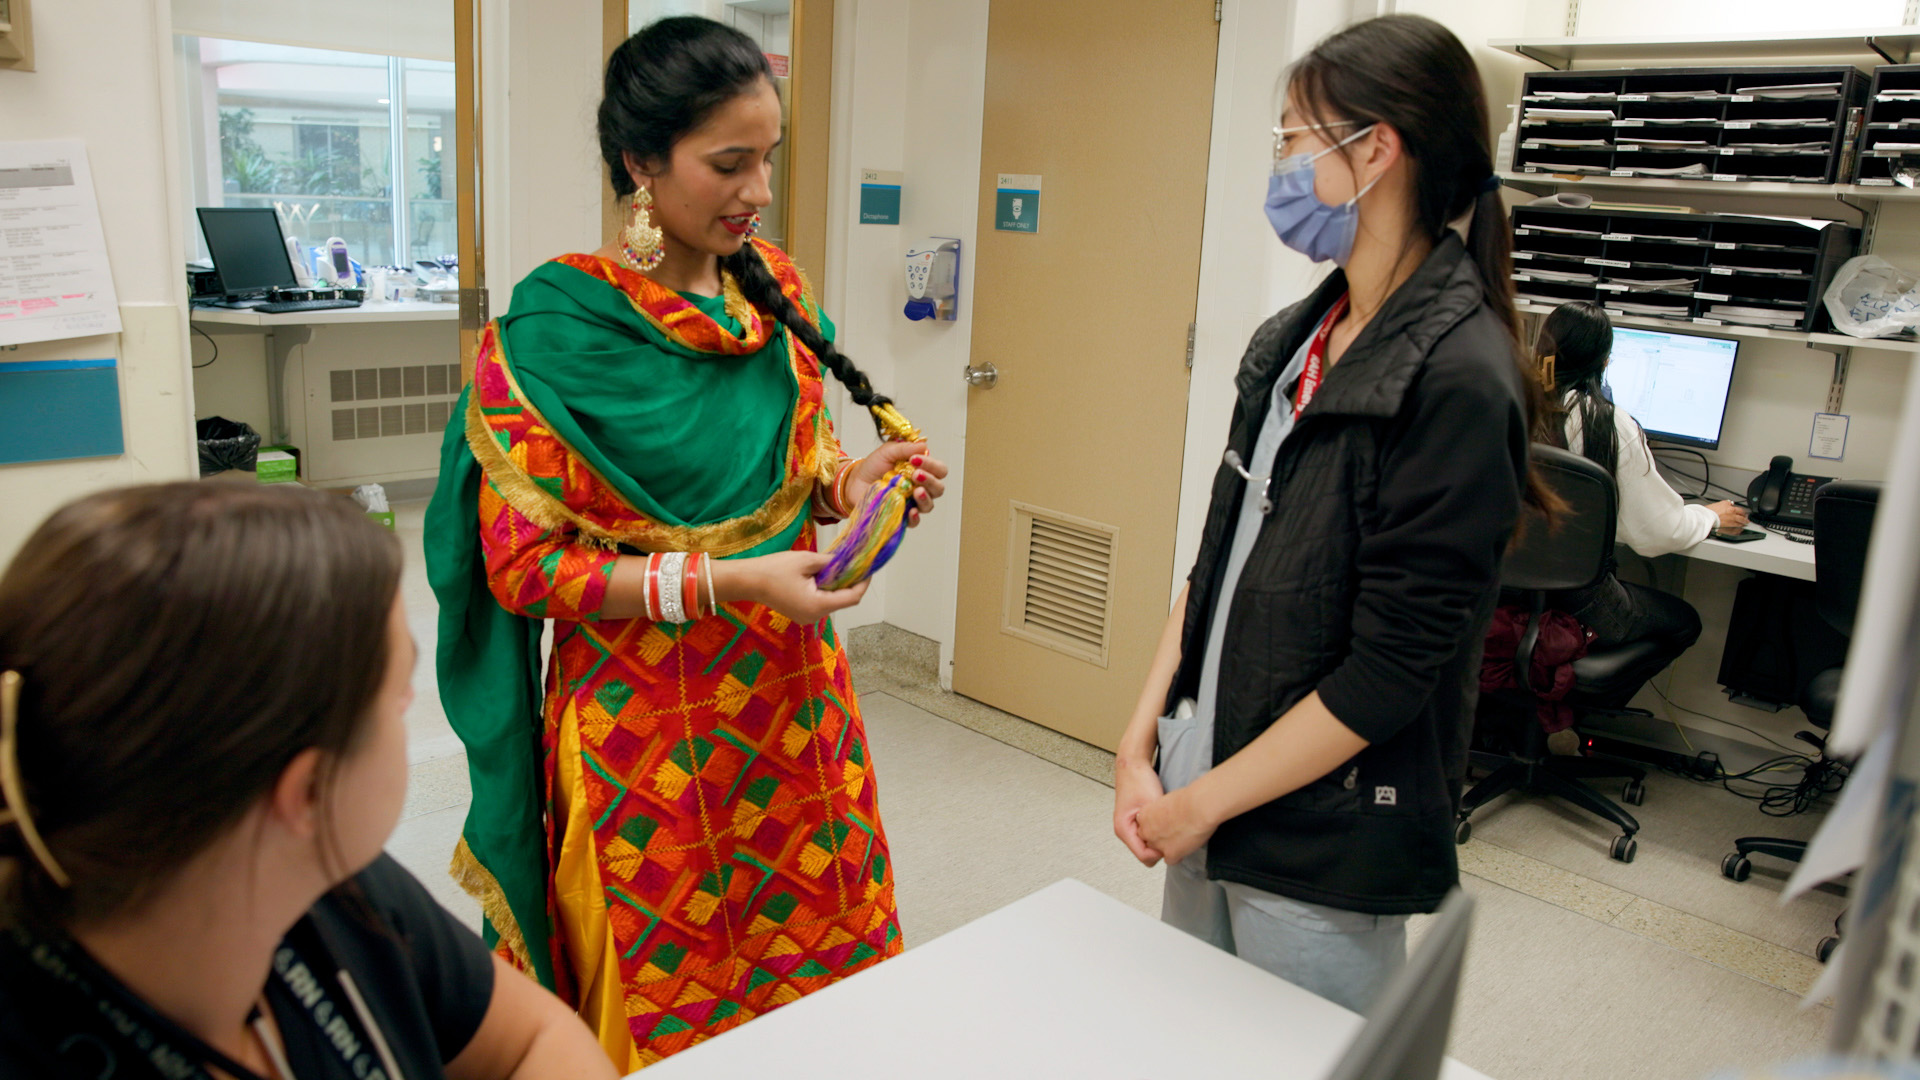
(1707, 716)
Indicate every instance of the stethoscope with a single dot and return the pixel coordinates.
(1234, 462)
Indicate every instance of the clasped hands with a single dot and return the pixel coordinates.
(1153, 823)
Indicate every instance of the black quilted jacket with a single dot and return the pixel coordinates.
(1372, 581)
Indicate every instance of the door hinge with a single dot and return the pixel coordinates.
(1218, 13)
(1190, 329)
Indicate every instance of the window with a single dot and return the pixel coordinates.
(316, 134)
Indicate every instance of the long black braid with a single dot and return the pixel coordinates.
(758, 285)
(664, 82)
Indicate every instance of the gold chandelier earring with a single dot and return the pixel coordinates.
(641, 240)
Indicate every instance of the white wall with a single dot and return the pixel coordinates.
(908, 96)
(1245, 273)
(105, 76)
(422, 29)
(541, 82)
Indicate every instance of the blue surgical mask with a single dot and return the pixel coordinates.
(1300, 219)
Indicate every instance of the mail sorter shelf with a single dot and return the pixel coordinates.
(1890, 138)
(1767, 123)
(1708, 269)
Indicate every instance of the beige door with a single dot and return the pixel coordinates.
(1073, 455)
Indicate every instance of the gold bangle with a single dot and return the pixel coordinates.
(840, 487)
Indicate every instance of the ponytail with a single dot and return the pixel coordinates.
(1490, 245)
(763, 291)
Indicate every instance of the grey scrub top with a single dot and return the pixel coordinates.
(1186, 742)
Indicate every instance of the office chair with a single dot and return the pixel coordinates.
(1576, 552)
(1842, 524)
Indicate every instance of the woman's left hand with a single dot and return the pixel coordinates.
(1174, 826)
(929, 476)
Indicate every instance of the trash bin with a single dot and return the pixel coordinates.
(226, 446)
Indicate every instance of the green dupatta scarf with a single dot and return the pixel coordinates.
(651, 391)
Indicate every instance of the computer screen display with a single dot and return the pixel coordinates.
(249, 251)
(1675, 385)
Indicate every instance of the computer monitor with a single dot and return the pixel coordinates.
(1675, 385)
(249, 252)
(1405, 1036)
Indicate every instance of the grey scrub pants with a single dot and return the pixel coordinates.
(1344, 956)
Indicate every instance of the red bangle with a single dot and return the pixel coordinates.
(690, 587)
(652, 591)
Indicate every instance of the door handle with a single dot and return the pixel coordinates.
(983, 376)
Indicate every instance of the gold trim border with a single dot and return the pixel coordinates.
(720, 538)
(479, 883)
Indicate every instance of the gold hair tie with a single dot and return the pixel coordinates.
(15, 792)
(1546, 372)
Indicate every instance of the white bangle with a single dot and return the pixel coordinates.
(673, 568)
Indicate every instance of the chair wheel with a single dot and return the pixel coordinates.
(1736, 867)
(1823, 952)
(1634, 793)
(1463, 831)
(1624, 848)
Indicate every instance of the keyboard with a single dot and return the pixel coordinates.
(287, 307)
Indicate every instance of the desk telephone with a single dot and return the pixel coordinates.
(1781, 496)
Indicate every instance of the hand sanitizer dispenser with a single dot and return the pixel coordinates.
(933, 279)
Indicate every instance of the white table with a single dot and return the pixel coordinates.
(292, 328)
(1068, 982)
(1774, 555)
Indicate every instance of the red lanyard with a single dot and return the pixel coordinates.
(1316, 357)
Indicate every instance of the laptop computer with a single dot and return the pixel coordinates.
(1405, 1036)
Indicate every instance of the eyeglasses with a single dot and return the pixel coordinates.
(1282, 134)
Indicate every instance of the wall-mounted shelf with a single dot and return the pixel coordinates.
(1890, 45)
(1709, 187)
(1730, 330)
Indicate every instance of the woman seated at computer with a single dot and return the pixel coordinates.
(1572, 350)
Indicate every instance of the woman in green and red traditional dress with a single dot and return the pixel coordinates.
(679, 832)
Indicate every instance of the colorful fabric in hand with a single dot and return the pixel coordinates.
(1562, 641)
(679, 830)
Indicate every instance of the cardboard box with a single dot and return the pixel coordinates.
(277, 467)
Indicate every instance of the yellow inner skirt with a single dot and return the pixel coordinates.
(582, 907)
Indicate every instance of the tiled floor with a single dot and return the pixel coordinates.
(1580, 966)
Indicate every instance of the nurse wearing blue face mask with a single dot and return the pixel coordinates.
(1299, 746)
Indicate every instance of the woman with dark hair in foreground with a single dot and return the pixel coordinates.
(202, 753)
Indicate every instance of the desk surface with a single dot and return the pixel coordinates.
(1067, 982)
(387, 311)
(1774, 555)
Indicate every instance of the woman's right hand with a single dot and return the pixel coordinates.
(1731, 516)
(1134, 786)
(784, 582)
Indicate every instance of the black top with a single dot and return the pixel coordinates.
(1371, 581)
(426, 979)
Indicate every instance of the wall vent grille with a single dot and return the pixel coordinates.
(384, 402)
(1060, 582)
